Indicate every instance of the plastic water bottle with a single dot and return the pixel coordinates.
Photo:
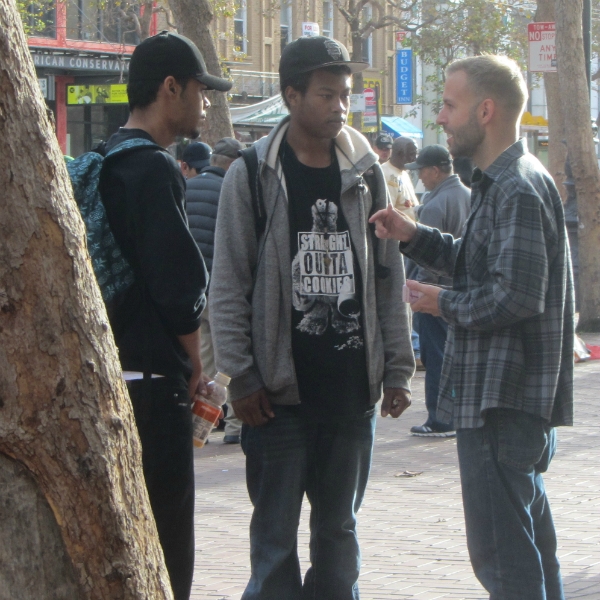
(206, 410)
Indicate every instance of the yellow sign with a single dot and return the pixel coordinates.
(97, 94)
(529, 119)
(372, 114)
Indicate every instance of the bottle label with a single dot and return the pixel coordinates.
(203, 419)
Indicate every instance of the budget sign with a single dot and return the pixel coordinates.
(404, 78)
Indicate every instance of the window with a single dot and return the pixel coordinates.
(240, 38)
(103, 22)
(285, 20)
(42, 19)
(328, 19)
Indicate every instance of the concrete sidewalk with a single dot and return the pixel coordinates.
(411, 529)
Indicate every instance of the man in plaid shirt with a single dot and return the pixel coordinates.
(507, 378)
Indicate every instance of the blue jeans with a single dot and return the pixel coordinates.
(510, 532)
(432, 337)
(330, 462)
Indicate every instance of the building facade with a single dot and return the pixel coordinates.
(81, 55)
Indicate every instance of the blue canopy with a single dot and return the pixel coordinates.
(399, 126)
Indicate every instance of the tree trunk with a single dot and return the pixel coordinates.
(576, 103)
(65, 416)
(193, 18)
(557, 151)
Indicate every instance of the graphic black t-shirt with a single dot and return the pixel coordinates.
(327, 330)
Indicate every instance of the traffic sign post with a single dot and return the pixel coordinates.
(542, 47)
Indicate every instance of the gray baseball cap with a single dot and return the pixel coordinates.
(431, 156)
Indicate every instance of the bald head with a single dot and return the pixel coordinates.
(404, 150)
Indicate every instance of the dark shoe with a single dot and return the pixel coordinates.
(426, 431)
(231, 439)
(420, 365)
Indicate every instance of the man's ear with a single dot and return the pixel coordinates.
(171, 86)
(487, 110)
(291, 95)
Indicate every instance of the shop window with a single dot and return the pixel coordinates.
(328, 19)
(90, 20)
(240, 26)
(42, 19)
(285, 20)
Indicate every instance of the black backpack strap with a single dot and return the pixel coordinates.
(370, 179)
(258, 206)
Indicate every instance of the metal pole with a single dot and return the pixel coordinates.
(587, 40)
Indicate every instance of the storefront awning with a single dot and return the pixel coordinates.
(399, 126)
(264, 114)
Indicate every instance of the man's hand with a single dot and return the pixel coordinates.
(392, 224)
(428, 302)
(254, 410)
(191, 344)
(395, 402)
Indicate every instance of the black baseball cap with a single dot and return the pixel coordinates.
(197, 155)
(169, 53)
(228, 147)
(431, 156)
(311, 53)
(384, 141)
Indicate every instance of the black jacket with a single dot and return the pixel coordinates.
(202, 201)
(143, 192)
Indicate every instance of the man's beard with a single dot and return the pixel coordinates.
(467, 138)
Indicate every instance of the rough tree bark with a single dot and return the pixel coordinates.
(557, 151)
(193, 18)
(65, 418)
(575, 99)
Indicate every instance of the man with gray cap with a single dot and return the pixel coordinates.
(156, 323)
(195, 157)
(308, 319)
(202, 201)
(446, 207)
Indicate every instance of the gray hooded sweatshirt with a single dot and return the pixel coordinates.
(251, 284)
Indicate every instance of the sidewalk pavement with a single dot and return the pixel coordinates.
(411, 529)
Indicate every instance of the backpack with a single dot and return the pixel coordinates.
(113, 272)
(260, 216)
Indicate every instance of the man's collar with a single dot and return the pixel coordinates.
(512, 153)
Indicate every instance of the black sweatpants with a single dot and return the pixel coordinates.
(164, 422)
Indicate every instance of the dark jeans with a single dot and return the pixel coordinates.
(285, 458)
(164, 422)
(510, 532)
(432, 336)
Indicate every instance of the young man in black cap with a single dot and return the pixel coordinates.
(307, 317)
(446, 208)
(157, 321)
(383, 147)
(202, 197)
(195, 157)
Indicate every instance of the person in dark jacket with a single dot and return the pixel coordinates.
(202, 198)
(156, 322)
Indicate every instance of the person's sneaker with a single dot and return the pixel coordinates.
(426, 431)
(231, 439)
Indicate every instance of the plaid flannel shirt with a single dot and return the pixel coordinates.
(511, 308)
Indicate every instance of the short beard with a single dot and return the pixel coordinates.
(468, 138)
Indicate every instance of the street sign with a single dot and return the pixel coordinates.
(542, 47)
(357, 103)
(404, 76)
(310, 29)
(370, 112)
